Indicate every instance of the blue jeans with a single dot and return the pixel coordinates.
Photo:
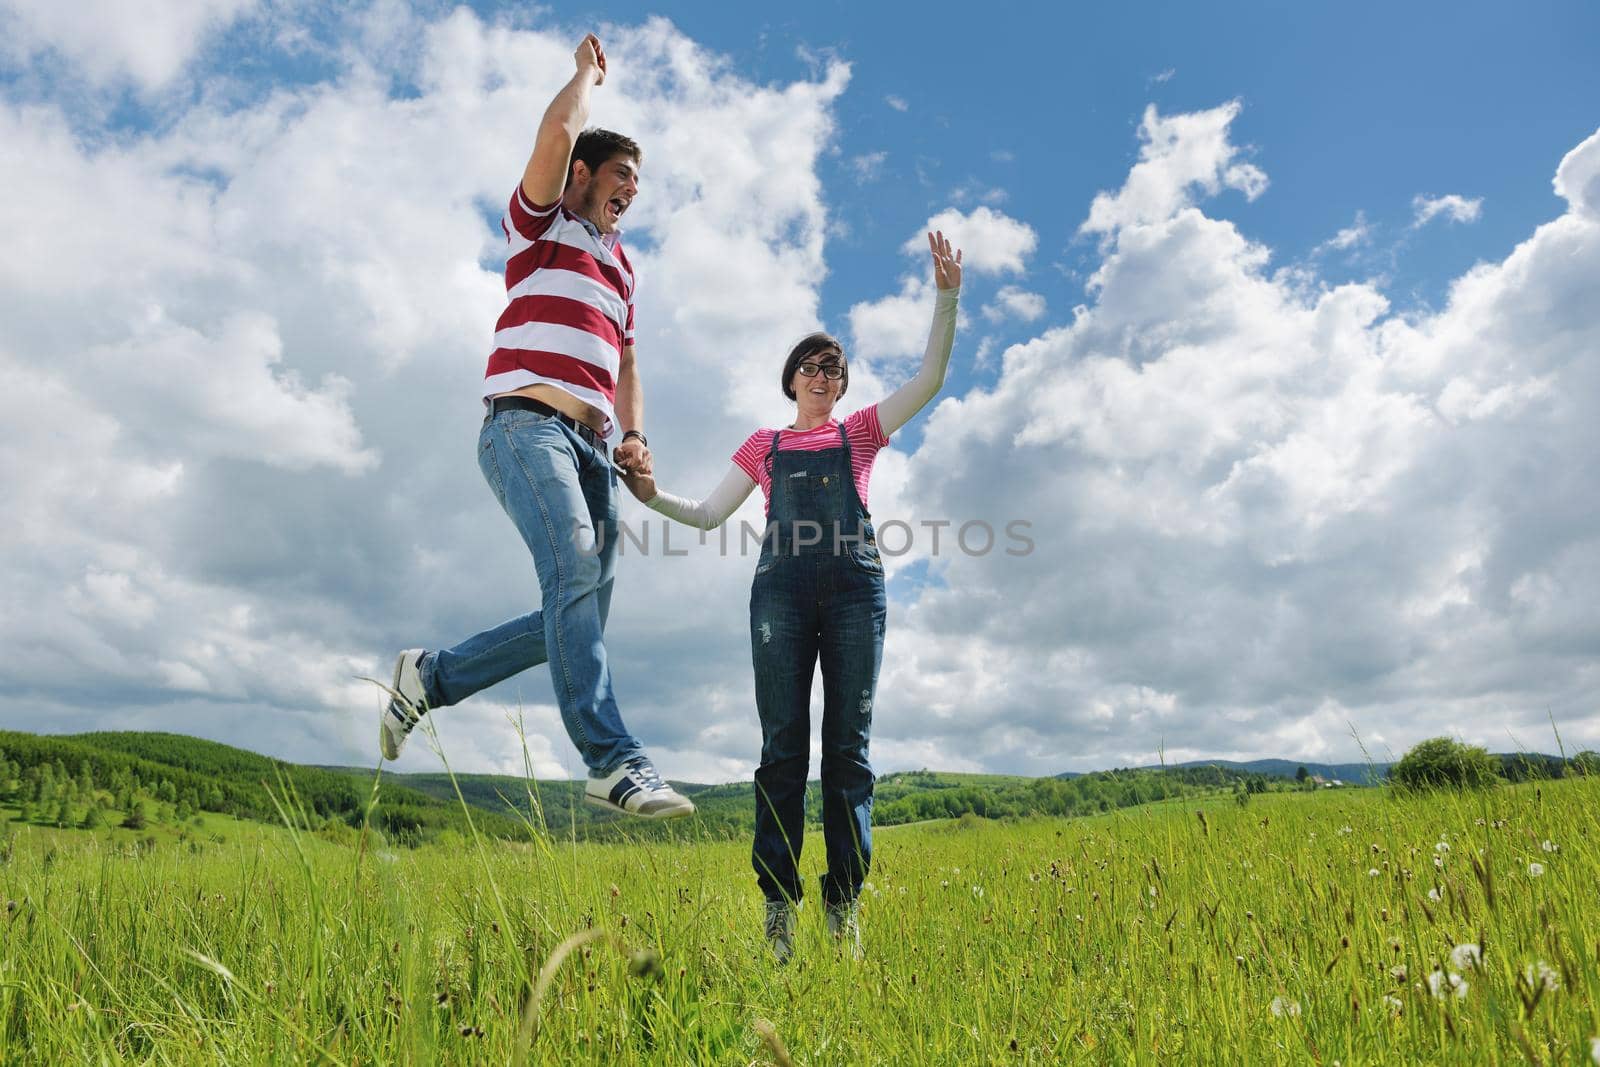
(561, 494)
(806, 608)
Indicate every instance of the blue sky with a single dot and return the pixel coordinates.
(1297, 457)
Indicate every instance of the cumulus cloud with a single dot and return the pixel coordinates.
(1452, 207)
(1267, 512)
(993, 243)
(107, 41)
(248, 476)
(1263, 508)
(1014, 302)
(1180, 156)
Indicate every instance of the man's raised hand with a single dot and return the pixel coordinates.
(592, 55)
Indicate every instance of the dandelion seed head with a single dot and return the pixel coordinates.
(1441, 985)
(1435, 895)
(1594, 1049)
(1550, 846)
(1373, 872)
(1541, 975)
(1282, 1007)
(1439, 863)
(1394, 1004)
(1398, 972)
(1465, 957)
(1442, 846)
(1535, 870)
(977, 891)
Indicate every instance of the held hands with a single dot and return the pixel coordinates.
(634, 457)
(946, 268)
(591, 55)
(642, 486)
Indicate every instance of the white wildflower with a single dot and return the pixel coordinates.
(956, 871)
(977, 891)
(1550, 846)
(1343, 830)
(1283, 1006)
(1439, 863)
(1373, 872)
(1542, 976)
(1394, 1004)
(1535, 870)
(1442, 846)
(1465, 957)
(1435, 895)
(1441, 984)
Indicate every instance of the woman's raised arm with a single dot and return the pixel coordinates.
(896, 409)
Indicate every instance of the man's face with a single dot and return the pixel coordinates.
(603, 195)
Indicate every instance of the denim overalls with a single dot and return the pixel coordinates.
(818, 592)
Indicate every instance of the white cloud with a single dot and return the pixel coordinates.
(992, 242)
(896, 102)
(248, 477)
(1013, 302)
(868, 166)
(1263, 507)
(1357, 234)
(1453, 207)
(1180, 155)
(1577, 179)
(110, 40)
(1278, 508)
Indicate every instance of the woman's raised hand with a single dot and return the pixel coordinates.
(946, 267)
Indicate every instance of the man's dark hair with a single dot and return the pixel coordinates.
(597, 147)
(811, 347)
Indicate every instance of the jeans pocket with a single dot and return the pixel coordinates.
(489, 464)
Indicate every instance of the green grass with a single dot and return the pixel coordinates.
(1141, 936)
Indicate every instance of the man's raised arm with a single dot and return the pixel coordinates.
(563, 120)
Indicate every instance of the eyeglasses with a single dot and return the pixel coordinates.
(831, 371)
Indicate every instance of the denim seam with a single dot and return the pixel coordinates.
(560, 598)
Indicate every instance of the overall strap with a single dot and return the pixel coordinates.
(850, 475)
(772, 456)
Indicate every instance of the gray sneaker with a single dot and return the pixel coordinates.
(779, 928)
(405, 707)
(636, 789)
(844, 925)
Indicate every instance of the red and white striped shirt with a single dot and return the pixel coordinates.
(569, 310)
(866, 437)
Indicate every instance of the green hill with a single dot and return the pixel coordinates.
(66, 780)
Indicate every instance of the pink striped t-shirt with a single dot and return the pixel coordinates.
(866, 437)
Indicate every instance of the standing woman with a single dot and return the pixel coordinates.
(818, 594)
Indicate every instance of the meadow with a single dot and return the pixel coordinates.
(1338, 926)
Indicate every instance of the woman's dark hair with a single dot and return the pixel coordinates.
(810, 346)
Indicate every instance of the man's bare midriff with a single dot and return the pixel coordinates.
(563, 402)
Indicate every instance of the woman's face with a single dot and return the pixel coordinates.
(815, 395)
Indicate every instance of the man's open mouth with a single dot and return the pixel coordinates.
(616, 206)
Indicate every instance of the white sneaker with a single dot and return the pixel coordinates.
(406, 705)
(844, 925)
(779, 929)
(636, 789)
